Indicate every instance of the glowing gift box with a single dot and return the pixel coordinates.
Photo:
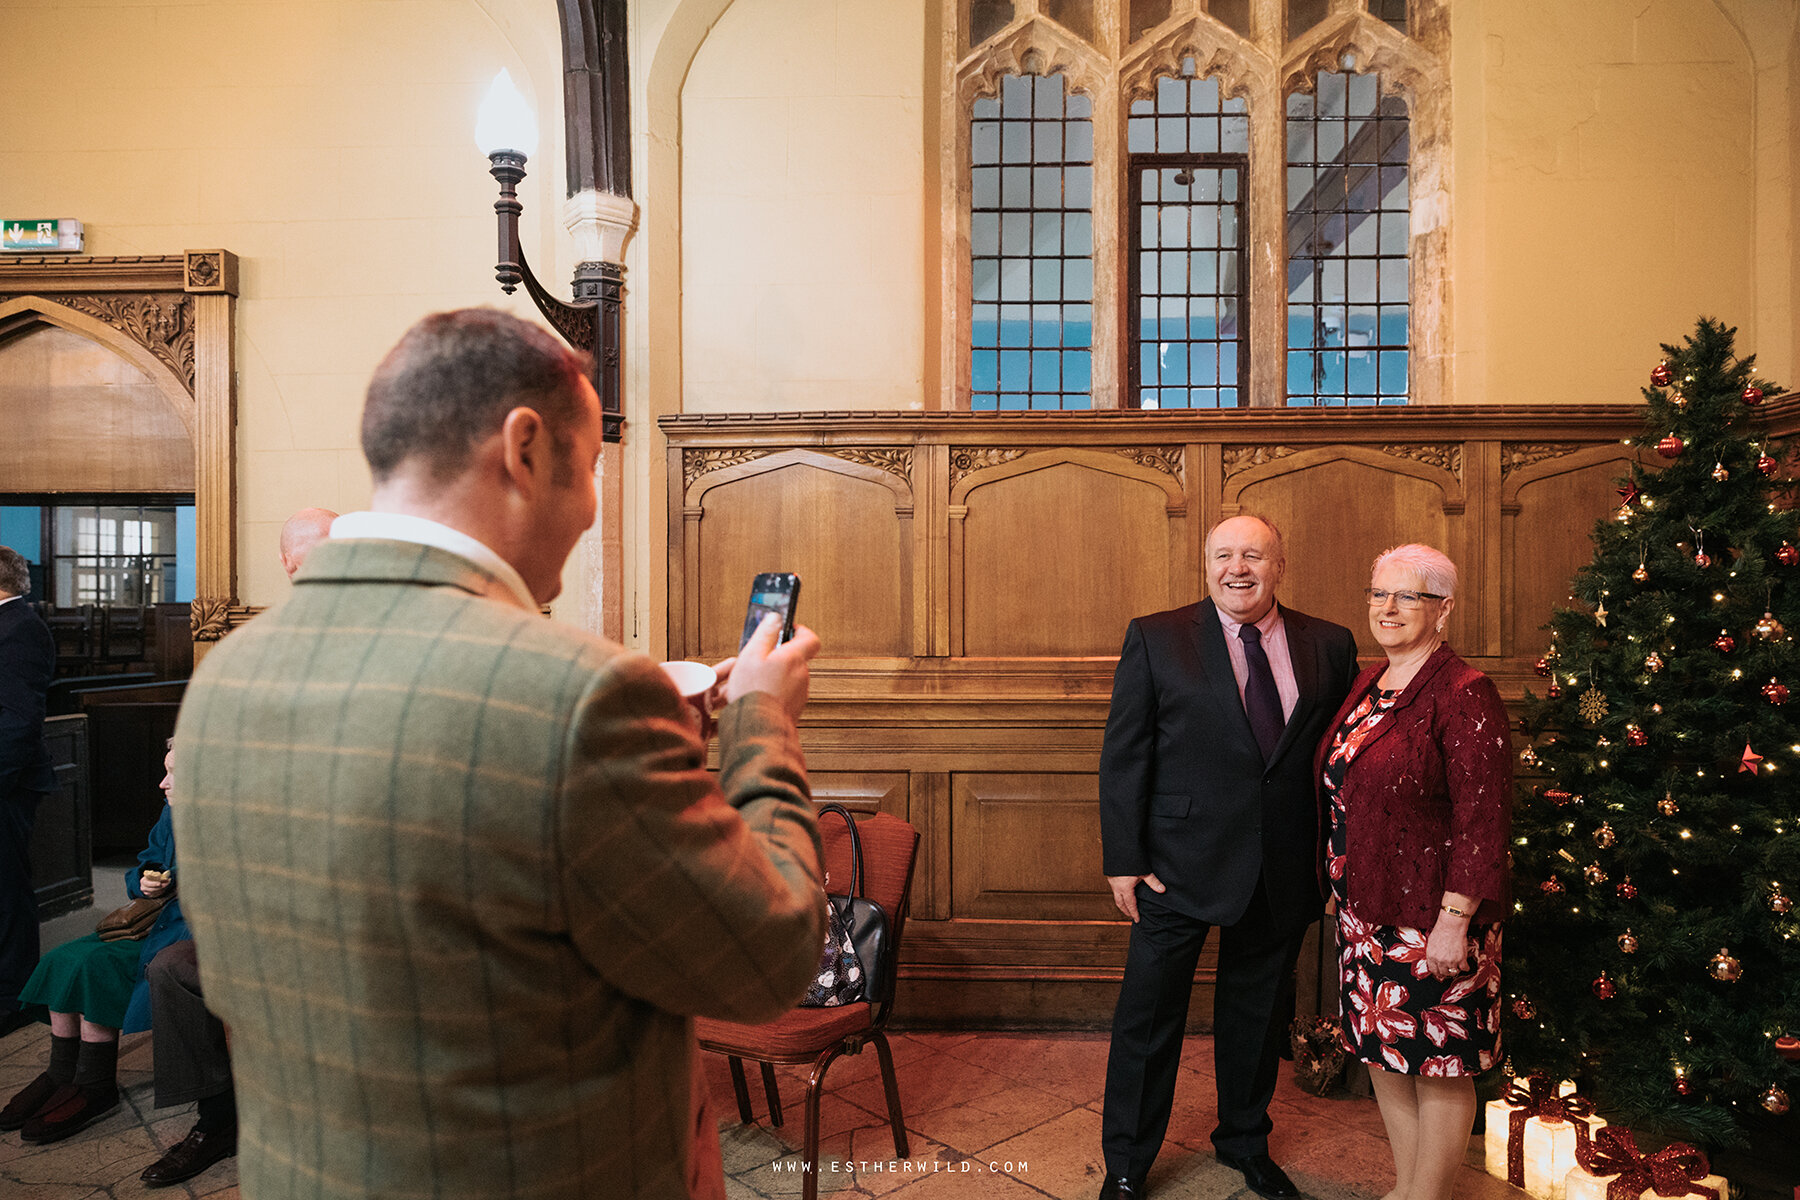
(1534, 1134)
(1614, 1169)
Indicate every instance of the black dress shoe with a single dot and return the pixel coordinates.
(1118, 1187)
(1261, 1173)
(69, 1110)
(25, 1103)
(200, 1149)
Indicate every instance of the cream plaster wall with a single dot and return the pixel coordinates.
(802, 202)
(330, 145)
(1622, 167)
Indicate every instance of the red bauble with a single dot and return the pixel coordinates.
(1670, 446)
(1753, 395)
(1627, 890)
(1636, 737)
(1660, 374)
(1703, 560)
(1554, 691)
(1542, 667)
(1766, 465)
(1682, 1086)
(1724, 643)
(1603, 987)
(1525, 1010)
(1551, 886)
(1788, 555)
(1787, 1045)
(1775, 692)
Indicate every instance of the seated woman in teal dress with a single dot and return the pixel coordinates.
(95, 990)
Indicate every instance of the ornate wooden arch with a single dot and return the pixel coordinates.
(173, 316)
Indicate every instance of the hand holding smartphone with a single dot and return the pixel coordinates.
(772, 662)
(774, 592)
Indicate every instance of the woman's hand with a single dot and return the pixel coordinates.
(1447, 947)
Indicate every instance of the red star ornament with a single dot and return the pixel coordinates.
(1629, 492)
(1749, 761)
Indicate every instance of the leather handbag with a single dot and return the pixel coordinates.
(133, 921)
(854, 966)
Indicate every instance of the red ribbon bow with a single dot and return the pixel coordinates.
(1538, 1098)
(1674, 1170)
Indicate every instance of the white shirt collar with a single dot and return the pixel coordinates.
(10, 599)
(404, 527)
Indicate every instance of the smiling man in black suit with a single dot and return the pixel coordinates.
(27, 660)
(1208, 818)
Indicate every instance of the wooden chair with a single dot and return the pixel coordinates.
(820, 1035)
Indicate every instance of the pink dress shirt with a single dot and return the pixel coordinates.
(1274, 641)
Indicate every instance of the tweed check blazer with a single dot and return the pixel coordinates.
(459, 881)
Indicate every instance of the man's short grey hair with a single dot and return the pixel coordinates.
(15, 572)
(1271, 526)
(1433, 566)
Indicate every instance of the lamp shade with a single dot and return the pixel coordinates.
(505, 121)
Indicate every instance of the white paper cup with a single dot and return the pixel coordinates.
(695, 682)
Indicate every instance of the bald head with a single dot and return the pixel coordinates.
(303, 531)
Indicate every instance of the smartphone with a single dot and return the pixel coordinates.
(777, 592)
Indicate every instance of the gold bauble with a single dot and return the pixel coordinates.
(1724, 967)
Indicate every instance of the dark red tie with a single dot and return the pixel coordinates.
(1262, 703)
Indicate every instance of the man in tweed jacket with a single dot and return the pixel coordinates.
(459, 875)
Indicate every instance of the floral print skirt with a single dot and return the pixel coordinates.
(1397, 1016)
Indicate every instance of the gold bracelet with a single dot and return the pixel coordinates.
(1454, 911)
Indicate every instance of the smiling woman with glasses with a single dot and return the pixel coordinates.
(1417, 785)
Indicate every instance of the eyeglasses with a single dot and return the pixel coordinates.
(1379, 596)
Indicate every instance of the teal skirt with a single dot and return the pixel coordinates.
(87, 976)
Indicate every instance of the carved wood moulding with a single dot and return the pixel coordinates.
(162, 323)
(1444, 456)
(1239, 459)
(966, 460)
(695, 463)
(1514, 455)
(898, 462)
(1167, 459)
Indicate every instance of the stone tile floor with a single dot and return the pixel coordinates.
(989, 1115)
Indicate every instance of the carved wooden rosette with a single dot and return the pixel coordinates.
(695, 463)
(966, 460)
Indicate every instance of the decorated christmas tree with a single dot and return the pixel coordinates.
(1654, 952)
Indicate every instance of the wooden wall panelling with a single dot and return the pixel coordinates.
(843, 521)
(1550, 496)
(996, 728)
(1339, 506)
(173, 316)
(1027, 847)
(1065, 586)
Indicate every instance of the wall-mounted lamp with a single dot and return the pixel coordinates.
(506, 131)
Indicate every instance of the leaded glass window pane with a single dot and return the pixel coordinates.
(1031, 242)
(1188, 173)
(1349, 316)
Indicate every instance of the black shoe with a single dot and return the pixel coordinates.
(26, 1103)
(1118, 1187)
(69, 1110)
(200, 1149)
(1261, 1173)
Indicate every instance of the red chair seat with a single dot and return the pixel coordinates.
(799, 1033)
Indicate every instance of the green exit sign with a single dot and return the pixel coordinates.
(59, 234)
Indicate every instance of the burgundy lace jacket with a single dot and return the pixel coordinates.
(1429, 798)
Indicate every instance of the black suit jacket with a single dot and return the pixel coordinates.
(27, 661)
(1184, 791)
